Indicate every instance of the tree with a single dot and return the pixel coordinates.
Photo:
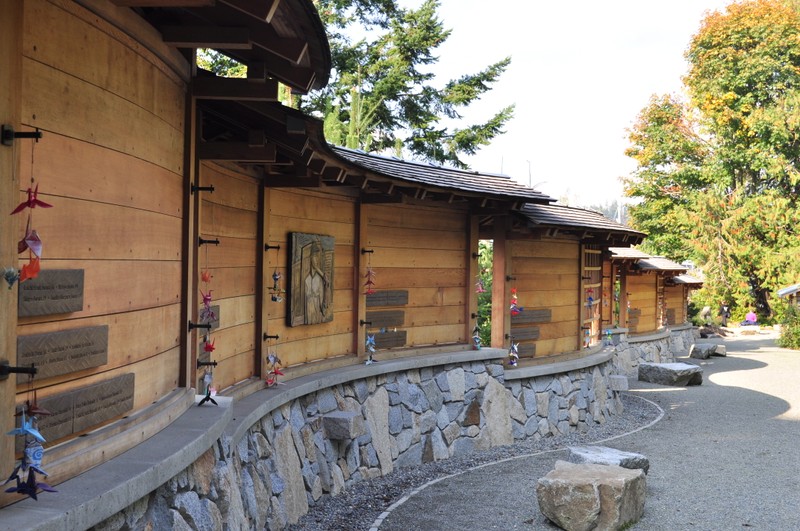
(718, 175)
(382, 94)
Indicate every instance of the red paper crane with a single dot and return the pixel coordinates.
(30, 270)
(32, 201)
(206, 276)
(209, 347)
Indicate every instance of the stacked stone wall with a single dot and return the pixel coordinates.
(664, 348)
(288, 460)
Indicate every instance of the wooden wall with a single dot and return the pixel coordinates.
(328, 213)
(548, 275)
(111, 163)
(230, 215)
(421, 250)
(675, 302)
(643, 311)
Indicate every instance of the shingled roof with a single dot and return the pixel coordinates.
(627, 253)
(441, 177)
(580, 219)
(658, 263)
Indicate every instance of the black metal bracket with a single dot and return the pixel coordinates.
(509, 336)
(6, 369)
(196, 188)
(204, 326)
(509, 278)
(203, 241)
(365, 251)
(7, 135)
(473, 315)
(275, 337)
(362, 322)
(267, 247)
(206, 364)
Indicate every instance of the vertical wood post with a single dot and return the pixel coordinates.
(11, 24)
(189, 340)
(359, 299)
(501, 267)
(472, 271)
(263, 281)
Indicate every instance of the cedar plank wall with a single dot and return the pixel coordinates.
(642, 298)
(230, 215)
(111, 163)
(422, 250)
(675, 300)
(315, 212)
(548, 278)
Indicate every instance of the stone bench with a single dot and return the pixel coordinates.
(703, 351)
(673, 374)
(580, 497)
(603, 455)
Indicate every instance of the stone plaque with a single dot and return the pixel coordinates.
(390, 339)
(78, 410)
(53, 291)
(524, 334)
(63, 352)
(214, 322)
(388, 298)
(386, 319)
(103, 401)
(532, 316)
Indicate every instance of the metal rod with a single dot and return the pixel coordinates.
(204, 326)
(363, 322)
(365, 251)
(267, 247)
(276, 337)
(203, 241)
(6, 369)
(206, 364)
(7, 135)
(196, 188)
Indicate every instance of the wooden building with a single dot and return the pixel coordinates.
(653, 291)
(557, 259)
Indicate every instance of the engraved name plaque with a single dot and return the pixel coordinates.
(83, 408)
(52, 292)
(63, 352)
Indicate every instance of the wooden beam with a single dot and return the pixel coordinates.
(236, 151)
(226, 38)
(317, 165)
(331, 173)
(274, 181)
(163, 3)
(260, 9)
(228, 88)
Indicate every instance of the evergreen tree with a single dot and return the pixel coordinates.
(382, 85)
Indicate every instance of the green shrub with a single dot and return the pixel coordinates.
(790, 329)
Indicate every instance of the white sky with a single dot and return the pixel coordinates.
(580, 73)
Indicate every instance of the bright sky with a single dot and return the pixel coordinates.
(580, 73)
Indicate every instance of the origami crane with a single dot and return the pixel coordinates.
(206, 299)
(208, 398)
(370, 347)
(513, 354)
(207, 315)
(476, 338)
(209, 347)
(32, 201)
(369, 285)
(206, 276)
(479, 287)
(11, 276)
(30, 487)
(30, 270)
(32, 409)
(31, 241)
(26, 428)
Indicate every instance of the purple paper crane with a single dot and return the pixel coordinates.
(29, 487)
(31, 464)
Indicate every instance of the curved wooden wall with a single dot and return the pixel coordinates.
(643, 311)
(111, 162)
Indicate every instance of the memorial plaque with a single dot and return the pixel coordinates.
(526, 350)
(213, 322)
(524, 333)
(390, 339)
(387, 298)
(82, 408)
(63, 352)
(386, 318)
(53, 291)
(103, 401)
(532, 316)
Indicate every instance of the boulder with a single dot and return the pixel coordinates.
(703, 351)
(673, 374)
(618, 382)
(343, 425)
(603, 455)
(581, 497)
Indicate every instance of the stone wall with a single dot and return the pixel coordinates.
(661, 347)
(319, 443)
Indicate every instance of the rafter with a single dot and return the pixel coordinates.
(236, 151)
(226, 88)
(229, 38)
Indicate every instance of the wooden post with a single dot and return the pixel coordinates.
(359, 299)
(189, 343)
(11, 25)
(263, 281)
(473, 269)
(501, 267)
(623, 296)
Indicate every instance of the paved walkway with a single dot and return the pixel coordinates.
(726, 455)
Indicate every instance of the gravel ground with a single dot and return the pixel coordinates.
(359, 506)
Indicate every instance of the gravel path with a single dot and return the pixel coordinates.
(359, 506)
